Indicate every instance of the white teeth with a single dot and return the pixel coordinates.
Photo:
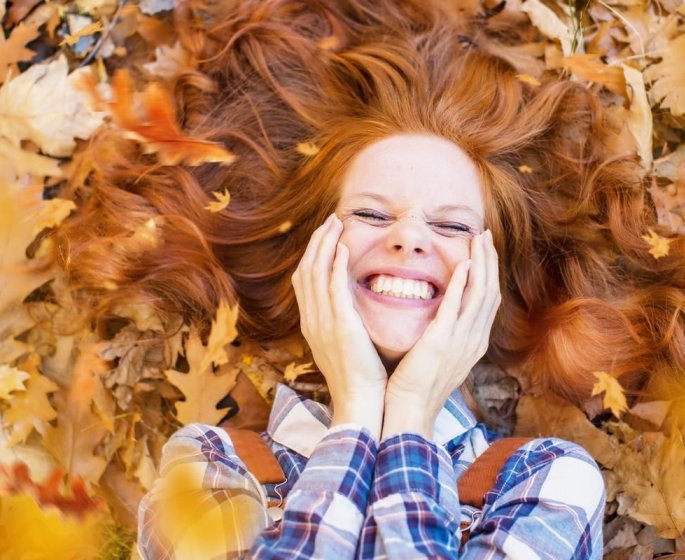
(401, 287)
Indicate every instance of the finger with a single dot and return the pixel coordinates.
(300, 279)
(475, 291)
(492, 296)
(320, 272)
(341, 295)
(448, 311)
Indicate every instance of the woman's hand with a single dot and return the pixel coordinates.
(452, 343)
(340, 344)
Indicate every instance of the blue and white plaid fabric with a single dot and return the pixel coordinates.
(346, 496)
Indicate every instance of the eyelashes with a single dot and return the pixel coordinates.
(446, 228)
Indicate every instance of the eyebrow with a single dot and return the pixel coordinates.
(441, 208)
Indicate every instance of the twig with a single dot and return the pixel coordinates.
(106, 33)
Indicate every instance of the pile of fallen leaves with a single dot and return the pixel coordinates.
(84, 412)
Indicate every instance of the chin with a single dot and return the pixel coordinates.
(395, 340)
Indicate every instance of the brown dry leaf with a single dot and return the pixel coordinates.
(649, 478)
(13, 49)
(19, 10)
(614, 396)
(652, 411)
(550, 415)
(170, 61)
(659, 245)
(222, 200)
(79, 430)
(590, 67)
(157, 129)
(43, 105)
(31, 408)
(668, 77)
(293, 370)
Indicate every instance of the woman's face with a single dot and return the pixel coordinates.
(410, 204)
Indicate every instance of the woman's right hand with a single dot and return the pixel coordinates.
(340, 343)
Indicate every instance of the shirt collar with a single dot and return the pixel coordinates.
(299, 423)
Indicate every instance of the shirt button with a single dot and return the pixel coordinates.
(275, 513)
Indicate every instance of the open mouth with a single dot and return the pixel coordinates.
(403, 288)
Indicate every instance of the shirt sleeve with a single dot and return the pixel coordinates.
(205, 504)
(548, 502)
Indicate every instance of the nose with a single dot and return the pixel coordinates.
(409, 235)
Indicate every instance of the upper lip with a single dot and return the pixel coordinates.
(409, 273)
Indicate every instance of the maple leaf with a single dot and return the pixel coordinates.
(659, 245)
(157, 130)
(222, 200)
(13, 49)
(293, 371)
(668, 77)
(16, 162)
(31, 408)
(11, 379)
(614, 397)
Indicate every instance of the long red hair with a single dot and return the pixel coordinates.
(580, 292)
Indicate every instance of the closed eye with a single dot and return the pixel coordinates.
(445, 228)
(369, 215)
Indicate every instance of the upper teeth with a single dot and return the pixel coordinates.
(401, 287)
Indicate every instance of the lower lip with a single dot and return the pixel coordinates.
(398, 302)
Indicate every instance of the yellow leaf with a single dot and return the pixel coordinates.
(285, 226)
(223, 332)
(16, 162)
(525, 169)
(72, 39)
(44, 106)
(307, 148)
(548, 23)
(31, 409)
(614, 397)
(223, 198)
(639, 115)
(328, 43)
(11, 379)
(659, 245)
(51, 213)
(528, 79)
(293, 371)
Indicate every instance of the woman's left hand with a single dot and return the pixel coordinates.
(453, 342)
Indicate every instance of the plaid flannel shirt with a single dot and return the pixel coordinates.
(346, 496)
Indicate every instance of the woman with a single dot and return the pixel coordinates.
(418, 104)
(377, 477)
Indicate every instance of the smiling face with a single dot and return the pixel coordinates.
(410, 204)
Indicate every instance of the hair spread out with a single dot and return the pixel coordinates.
(580, 292)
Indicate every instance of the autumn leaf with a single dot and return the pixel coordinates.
(201, 387)
(639, 114)
(222, 200)
(548, 23)
(15, 163)
(614, 397)
(31, 408)
(44, 106)
(307, 148)
(589, 67)
(170, 61)
(525, 169)
(51, 213)
(157, 128)
(13, 49)
(659, 246)
(11, 379)
(293, 371)
(84, 31)
(668, 77)
(528, 79)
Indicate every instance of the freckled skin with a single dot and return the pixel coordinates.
(416, 173)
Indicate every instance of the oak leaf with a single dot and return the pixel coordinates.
(614, 397)
(31, 408)
(44, 106)
(13, 49)
(668, 77)
(170, 61)
(293, 371)
(222, 200)
(156, 128)
(11, 379)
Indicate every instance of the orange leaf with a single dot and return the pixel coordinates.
(13, 49)
(157, 129)
(589, 67)
(614, 397)
(659, 245)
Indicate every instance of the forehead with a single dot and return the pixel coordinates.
(414, 168)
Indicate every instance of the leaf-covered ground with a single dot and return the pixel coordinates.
(85, 410)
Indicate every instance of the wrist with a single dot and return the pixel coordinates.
(407, 416)
(367, 413)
